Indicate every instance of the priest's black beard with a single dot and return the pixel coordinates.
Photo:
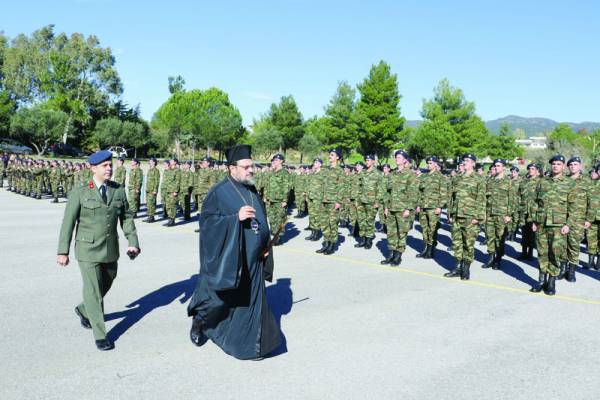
(247, 182)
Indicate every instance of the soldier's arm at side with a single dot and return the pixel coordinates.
(70, 218)
(128, 225)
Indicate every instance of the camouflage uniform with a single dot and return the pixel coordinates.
(120, 175)
(593, 217)
(134, 187)
(370, 196)
(152, 184)
(401, 195)
(2, 172)
(186, 187)
(315, 197)
(528, 193)
(276, 190)
(502, 202)
(433, 194)
(204, 180)
(172, 182)
(578, 217)
(468, 204)
(332, 184)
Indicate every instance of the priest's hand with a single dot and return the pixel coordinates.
(246, 212)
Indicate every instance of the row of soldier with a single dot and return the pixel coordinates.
(355, 196)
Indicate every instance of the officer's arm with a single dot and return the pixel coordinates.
(127, 224)
(70, 218)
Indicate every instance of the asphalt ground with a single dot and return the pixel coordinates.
(353, 329)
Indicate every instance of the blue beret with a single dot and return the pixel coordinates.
(278, 157)
(205, 158)
(499, 161)
(469, 156)
(558, 157)
(338, 152)
(99, 157)
(386, 165)
(533, 165)
(359, 163)
(369, 157)
(402, 153)
(432, 158)
(574, 159)
(152, 159)
(317, 160)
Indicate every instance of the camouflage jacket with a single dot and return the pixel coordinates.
(593, 199)
(187, 180)
(333, 184)
(433, 190)
(580, 189)
(527, 196)
(136, 179)
(152, 180)
(314, 185)
(555, 201)
(204, 179)
(172, 180)
(276, 186)
(371, 187)
(402, 191)
(120, 175)
(469, 197)
(502, 196)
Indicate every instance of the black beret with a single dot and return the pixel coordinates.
(514, 168)
(205, 158)
(574, 159)
(135, 160)
(432, 158)
(278, 157)
(152, 159)
(402, 153)
(121, 159)
(359, 163)
(470, 156)
(533, 165)
(558, 157)
(369, 157)
(317, 160)
(499, 161)
(338, 152)
(99, 157)
(188, 162)
(386, 165)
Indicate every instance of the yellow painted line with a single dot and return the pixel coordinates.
(441, 277)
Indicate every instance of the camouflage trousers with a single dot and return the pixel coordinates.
(574, 239)
(495, 233)
(345, 211)
(163, 200)
(134, 201)
(551, 247)
(593, 241)
(528, 235)
(171, 205)
(314, 211)
(397, 230)
(302, 203)
(464, 234)
(151, 204)
(366, 218)
(199, 199)
(275, 215)
(352, 212)
(187, 202)
(329, 222)
(430, 223)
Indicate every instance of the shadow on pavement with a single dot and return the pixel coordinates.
(280, 301)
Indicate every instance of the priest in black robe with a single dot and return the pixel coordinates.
(229, 305)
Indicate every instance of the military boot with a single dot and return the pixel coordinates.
(523, 255)
(591, 262)
(311, 236)
(431, 254)
(324, 248)
(361, 242)
(330, 249)
(369, 243)
(597, 264)
(457, 271)
(491, 261)
(541, 283)
(550, 288)
(298, 214)
(465, 274)
(424, 252)
(54, 200)
(318, 235)
(530, 253)
(397, 260)
(150, 219)
(170, 223)
(571, 272)
(563, 270)
(388, 259)
(498, 261)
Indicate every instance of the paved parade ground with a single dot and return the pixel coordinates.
(353, 329)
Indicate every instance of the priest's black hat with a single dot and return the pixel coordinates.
(239, 152)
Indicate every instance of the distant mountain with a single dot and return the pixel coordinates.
(531, 126)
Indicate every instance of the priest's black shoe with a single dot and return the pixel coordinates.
(104, 344)
(84, 321)
(541, 283)
(324, 248)
(196, 335)
(491, 261)
(550, 288)
(456, 272)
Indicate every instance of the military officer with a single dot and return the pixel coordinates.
(136, 180)
(172, 182)
(331, 201)
(528, 192)
(276, 191)
(432, 199)
(467, 212)
(93, 211)
(400, 200)
(553, 218)
(315, 195)
(186, 187)
(152, 185)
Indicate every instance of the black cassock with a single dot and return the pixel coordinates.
(230, 295)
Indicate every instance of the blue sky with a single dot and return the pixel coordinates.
(529, 58)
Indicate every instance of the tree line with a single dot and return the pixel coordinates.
(64, 88)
